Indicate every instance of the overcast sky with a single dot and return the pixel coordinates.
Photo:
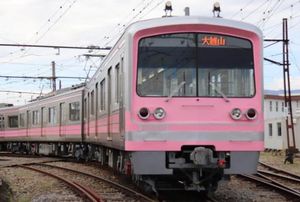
(100, 22)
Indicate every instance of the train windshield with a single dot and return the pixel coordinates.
(193, 64)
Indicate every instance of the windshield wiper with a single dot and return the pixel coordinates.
(175, 91)
(219, 91)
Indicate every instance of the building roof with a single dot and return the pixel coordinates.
(281, 97)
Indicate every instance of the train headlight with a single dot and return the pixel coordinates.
(251, 114)
(159, 113)
(144, 113)
(236, 113)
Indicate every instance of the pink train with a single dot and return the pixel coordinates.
(177, 100)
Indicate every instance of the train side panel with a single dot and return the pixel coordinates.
(105, 100)
(53, 119)
(9, 121)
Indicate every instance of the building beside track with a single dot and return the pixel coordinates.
(275, 124)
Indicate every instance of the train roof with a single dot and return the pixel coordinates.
(9, 109)
(60, 91)
(165, 21)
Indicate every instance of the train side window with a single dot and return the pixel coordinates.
(2, 122)
(92, 103)
(102, 95)
(13, 121)
(109, 89)
(117, 83)
(22, 120)
(74, 109)
(88, 105)
(52, 115)
(35, 117)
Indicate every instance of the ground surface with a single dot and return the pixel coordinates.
(27, 186)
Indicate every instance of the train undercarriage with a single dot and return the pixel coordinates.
(192, 169)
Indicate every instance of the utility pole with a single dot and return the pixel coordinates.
(290, 131)
(53, 77)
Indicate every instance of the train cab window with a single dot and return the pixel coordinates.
(52, 115)
(102, 95)
(226, 66)
(74, 109)
(166, 62)
(35, 117)
(13, 121)
(191, 64)
(22, 120)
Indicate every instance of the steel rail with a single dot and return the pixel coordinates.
(280, 170)
(278, 175)
(133, 192)
(91, 196)
(277, 183)
(269, 183)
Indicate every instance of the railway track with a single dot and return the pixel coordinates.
(283, 181)
(44, 166)
(277, 170)
(105, 190)
(80, 189)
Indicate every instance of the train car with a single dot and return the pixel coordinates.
(46, 125)
(177, 103)
(179, 99)
(9, 123)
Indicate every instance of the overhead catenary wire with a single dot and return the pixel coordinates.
(247, 9)
(48, 29)
(56, 21)
(253, 11)
(271, 12)
(241, 9)
(40, 77)
(145, 7)
(49, 19)
(19, 92)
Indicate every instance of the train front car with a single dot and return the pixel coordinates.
(196, 101)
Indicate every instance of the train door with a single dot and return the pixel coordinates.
(27, 123)
(121, 99)
(109, 108)
(62, 120)
(97, 109)
(42, 121)
(88, 115)
(84, 118)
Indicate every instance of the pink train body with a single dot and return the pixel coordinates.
(176, 97)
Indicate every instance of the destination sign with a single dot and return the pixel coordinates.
(210, 40)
